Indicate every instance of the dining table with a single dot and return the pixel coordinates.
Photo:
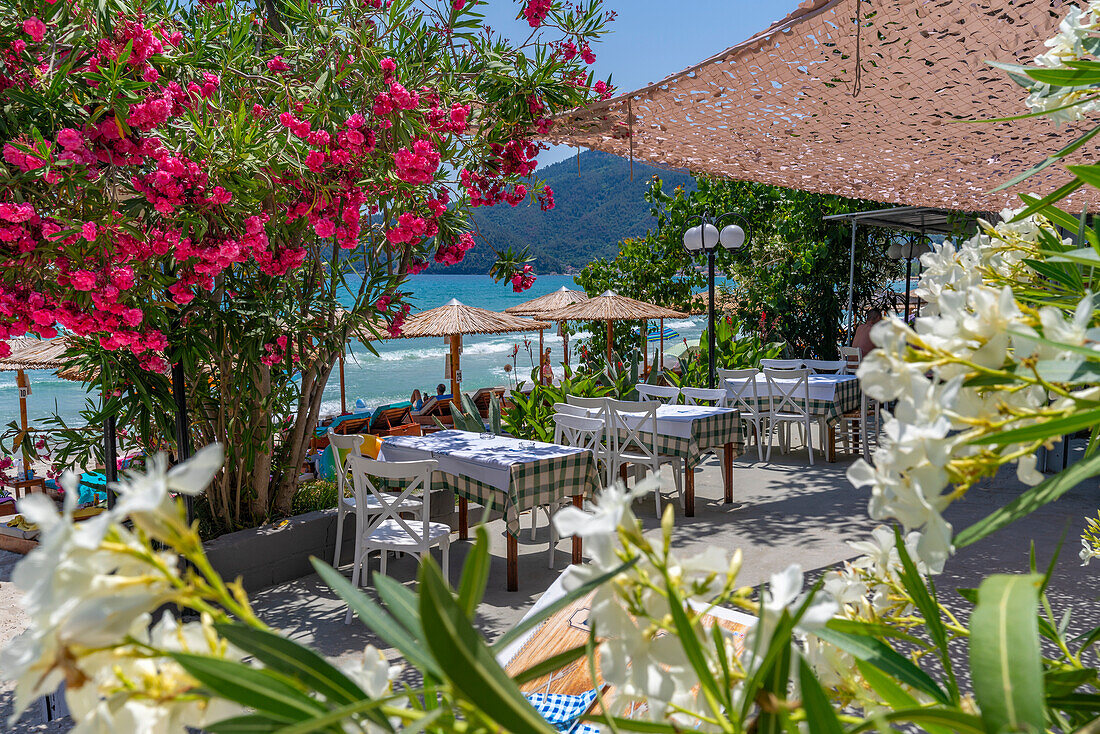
(830, 397)
(691, 432)
(502, 473)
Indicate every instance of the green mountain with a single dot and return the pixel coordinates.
(593, 211)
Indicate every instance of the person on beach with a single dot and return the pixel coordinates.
(440, 390)
(863, 332)
(417, 400)
(547, 369)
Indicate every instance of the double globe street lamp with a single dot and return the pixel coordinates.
(707, 236)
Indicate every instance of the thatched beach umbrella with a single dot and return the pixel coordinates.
(610, 306)
(541, 306)
(454, 319)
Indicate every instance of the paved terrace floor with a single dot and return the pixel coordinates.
(791, 513)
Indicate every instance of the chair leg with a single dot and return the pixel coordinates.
(809, 440)
(534, 517)
(657, 498)
(759, 441)
(445, 547)
(339, 531)
(679, 468)
(354, 580)
(771, 439)
(385, 557)
(553, 545)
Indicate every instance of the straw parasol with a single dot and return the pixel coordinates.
(35, 354)
(538, 307)
(454, 319)
(610, 306)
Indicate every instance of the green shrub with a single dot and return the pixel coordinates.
(316, 494)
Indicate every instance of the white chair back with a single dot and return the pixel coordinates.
(741, 391)
(790, 391)
(389, 503)
(582, 432)
(660, 393)
(595, 407)
(633, 427)
(704, 395)
(353, 445)
(567, 409)
(853, 356)
(781, 364)
(826, 366)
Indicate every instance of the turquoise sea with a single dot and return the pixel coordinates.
(401, 365)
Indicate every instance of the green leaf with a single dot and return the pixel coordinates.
(550, 664)
(467, 662)
(885, 658)
(1059, 217)
(1040, 205)
(1031, 500)
(892, 693)
(290, 658)
(1005, 664)
(247, 724)
(475, 574)
(376, 618)
(262, 690)
(1057, 427)
(638, 725)
(332, 718)
(1052, 158)
(957, 721)
(1065, 77)
(923, 597)
(820, 716)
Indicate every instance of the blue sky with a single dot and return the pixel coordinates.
(651, 39)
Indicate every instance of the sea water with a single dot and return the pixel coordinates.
(401, 365)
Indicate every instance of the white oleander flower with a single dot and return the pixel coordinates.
(81, 593)
(372, 672)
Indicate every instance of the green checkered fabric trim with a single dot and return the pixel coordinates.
(550, 481)
(708, 434)
(845, 398)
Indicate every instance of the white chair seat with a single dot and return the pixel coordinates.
(390, 533)
(373, 504)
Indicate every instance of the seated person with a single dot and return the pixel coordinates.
(441, 391)
(862, 339)
(417, 400)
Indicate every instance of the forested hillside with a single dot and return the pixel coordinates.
(594, 211)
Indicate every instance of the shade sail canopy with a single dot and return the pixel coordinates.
(871, 110)
(455, 318)
(610, 306)
(550, 302)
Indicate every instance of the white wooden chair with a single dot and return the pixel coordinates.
(852, 356)
(660, 393)
(708, 396)
(781, 364)
(856, 420)
(584, 433)
(741, 393)
(633, 433)
(790, 398)
(337, 444)
(390, 529)
(826, 366)
(592, 408)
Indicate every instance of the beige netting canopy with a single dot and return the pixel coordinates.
(819, 103)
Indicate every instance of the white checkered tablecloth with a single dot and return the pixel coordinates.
(831, 396)
(500, 472)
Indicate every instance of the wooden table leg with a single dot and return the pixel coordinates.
(727, 460)
(513, 562)
(623, 474)
(463, 518)
(689, 492)
(578, 501)
(830, 444)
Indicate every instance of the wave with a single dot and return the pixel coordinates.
(685, 324)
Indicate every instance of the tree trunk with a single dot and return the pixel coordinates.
(309, 409)
(261, 470)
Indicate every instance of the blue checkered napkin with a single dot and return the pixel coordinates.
(561, 710)
(583, 727)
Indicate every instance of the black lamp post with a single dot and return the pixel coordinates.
(706, 236)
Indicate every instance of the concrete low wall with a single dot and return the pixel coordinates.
(279, 552)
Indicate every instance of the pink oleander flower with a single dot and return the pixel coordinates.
(83, 280)
(277, 65)
(34, 28)
(89, 231)
(324, 228)
(70, 139)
